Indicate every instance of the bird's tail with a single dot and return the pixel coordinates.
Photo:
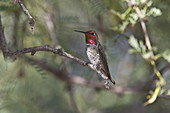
(112, 81)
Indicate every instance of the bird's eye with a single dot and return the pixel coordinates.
(92, 33)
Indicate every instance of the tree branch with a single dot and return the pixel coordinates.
(3, 41)
(31, 20)
(147, 41)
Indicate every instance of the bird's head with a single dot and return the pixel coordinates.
(91, 37)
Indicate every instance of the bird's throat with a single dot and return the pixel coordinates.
(92, 41)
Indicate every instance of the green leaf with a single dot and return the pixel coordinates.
(154, 48)
(143, 47)
(116, 13)
(143, 1)
(147, 55)
(121, 28)
(149, 3)
(154, 96)
(134, 43)
(166, 55)
(143, 12)
(131, 51)
(122, 16)
(154, 12)
(158, 56)
(168, 92)
(133, 18)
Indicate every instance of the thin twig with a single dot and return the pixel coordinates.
(148, 44)
(31, 20)
(3, 41)
(147, 41)
(15, 43)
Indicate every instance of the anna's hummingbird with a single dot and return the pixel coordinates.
(97, 56)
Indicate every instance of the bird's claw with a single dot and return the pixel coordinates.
(106, 83)
(87, 63)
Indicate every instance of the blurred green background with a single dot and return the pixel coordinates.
(26, 87)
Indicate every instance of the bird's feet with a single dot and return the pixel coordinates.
(92, 66)
(106, 83)
(87, 63)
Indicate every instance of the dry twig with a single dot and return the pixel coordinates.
(148, 43)
(31, 20)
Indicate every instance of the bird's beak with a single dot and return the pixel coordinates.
(79, 31)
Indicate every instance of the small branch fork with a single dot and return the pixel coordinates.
(31, 20)
(147, 41)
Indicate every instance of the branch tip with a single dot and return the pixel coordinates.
(31, 21)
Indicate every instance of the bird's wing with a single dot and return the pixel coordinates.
(103, 59)
(104, 62)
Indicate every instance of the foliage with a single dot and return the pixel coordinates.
(166, 55)
(131, 16)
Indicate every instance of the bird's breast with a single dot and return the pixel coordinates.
(93, 54)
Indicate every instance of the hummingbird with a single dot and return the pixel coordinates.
(96, 55)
